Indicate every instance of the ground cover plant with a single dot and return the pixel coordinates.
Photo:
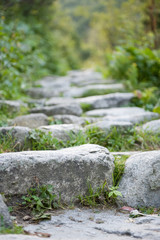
(39, 200)
(104, 195)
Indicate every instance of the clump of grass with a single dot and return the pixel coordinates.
(119, 164)
(149, 210)
(14, 230)
(7, 143)
(102, 196)
(123, 140)
(86, 106)
(40, 199)
(40, 140)
(96, 92)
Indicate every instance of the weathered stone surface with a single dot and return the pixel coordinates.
(68, 170)
(69, 109)
(107, 126)
(42, 92)
(50, 87)
(140, 184)
(69, 119)
(107, 101)
(62, 131)
(31, 120)
(135, 119)
(20, 237)
(87, 224)
(59, 100)
(58, 83)
(126, 113)
(19, 136)
(4, 215)
(12, 105)
(80, 91)
(153, 126)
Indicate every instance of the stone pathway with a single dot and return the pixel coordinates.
(69, 169)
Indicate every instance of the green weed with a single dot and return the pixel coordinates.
(123, 140)
(86, 107)
(12, 230)
(119, 164)
(149, 210)
(40, 140)
(7, 143)
(39, 200)
(103, 195)
(96, 92)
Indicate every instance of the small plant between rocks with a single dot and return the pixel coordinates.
(102, 196)
(39, 200)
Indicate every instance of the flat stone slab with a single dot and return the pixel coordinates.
(63, 132)
(80, 91)
(140, 184)
(31, 120)
(4, 215)
(107, 101)
(68, 170)
(153, 126)
(123, 114)
(98, 224)
(135, 119)
(63, 109)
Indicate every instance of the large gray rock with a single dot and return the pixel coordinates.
(12, 106)
(68, 170)
(5, 220)
(140, 184)
(69, 109)
(38, 92)
(62, 132)
(50, 87)
(107, 101)
(69, 119)
(153, 126)
(80, 92)
(134, 118)
(17, 136)
(120, 113)
(31, 120)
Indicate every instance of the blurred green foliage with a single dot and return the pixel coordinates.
(138, 65)
(35, 40)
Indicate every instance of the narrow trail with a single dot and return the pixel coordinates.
(73, 100)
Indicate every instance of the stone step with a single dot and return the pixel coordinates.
(82, 91)
(134, 115)
(68, 170)
(140, 184)
(90, 224)
(12, 106)
(30, 120)
(67, 108)
(106, 101)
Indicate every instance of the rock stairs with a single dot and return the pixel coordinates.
(64, 99)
